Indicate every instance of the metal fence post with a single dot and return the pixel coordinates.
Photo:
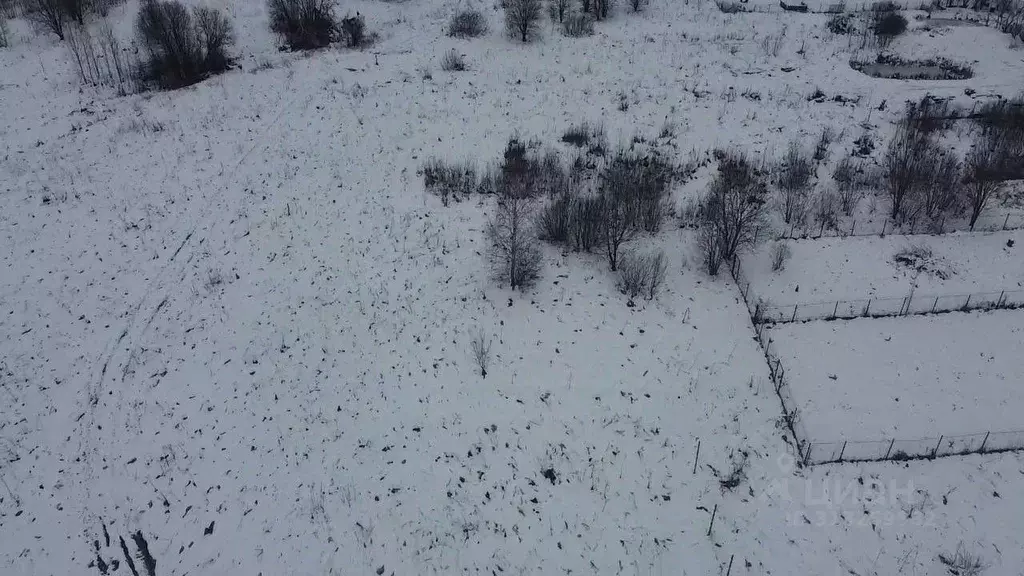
(967, 305)
(934, 304)
(883, 228)
(937, 444)
(867, 309)
(1001, 302)
(807, 451)
(891, 442)
(793, 319)
(835, 310)
(985, 441)
(1006, 221)
(842, 451)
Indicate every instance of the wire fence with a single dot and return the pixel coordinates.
(910, 305)
(819, 6)
(994, 223)
(815, 453)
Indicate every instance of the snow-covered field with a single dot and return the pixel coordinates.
(236, 326)
(830, 269)
(905, 378)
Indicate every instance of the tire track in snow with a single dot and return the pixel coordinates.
(142, 314)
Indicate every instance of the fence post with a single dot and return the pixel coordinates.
(1006, 221)
(937, 444)
(835, 310)
(842, 451)
(822, 231)
(891, 442)
(1000, 302)
(807, 450)
(985, 441)
(884, 223)
(853, 227)
(934, 304)
(967, 305)
(867, 309)
(757, 312)
(793, 319)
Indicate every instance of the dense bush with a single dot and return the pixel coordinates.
(467, 24)
(449, 181)
(522, 18)
(887, 23)
(642, 274)
(578, 25)
(4, 40)
(793, 179)
(304, 24)
(840, 24)
(183, 47)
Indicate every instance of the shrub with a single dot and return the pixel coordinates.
(182, 49)
(558, 10)
(847, 186)
(887, 25)
(840, 24)
(101, 61)
(449, 181)
(578, 25)
(353, 31)
(554, 221)
(634, 189)
(638, 5)
(515, 255)
(585, 222)
(793, 181)
(303, 24)
(4, 40)
(781, 254)
(215, 35)
(963, 562)
(481, 347)
(467, 24)
(522, 18)
(452, 61)
(733, 210)
(642, 274)
(583, 134)
(730, 6)
(982, 177)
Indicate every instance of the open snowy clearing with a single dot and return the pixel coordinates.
(233, 321)
(860, 268)
(905, 378)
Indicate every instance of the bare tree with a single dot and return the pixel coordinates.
(736, 205)
(938, 193)
(710, 244)
(559, 9)
(638, 5)
(514, 252)
(905, 165)
(48, 14)
(793, 180)
(982, 177)
(481, 347)
(781, 253)
(522, 18)
(4, 40)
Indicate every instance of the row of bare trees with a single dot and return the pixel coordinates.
(522, 17)
(924, 179)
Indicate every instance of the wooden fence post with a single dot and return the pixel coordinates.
(807, 450)
(712, 524)
(696, 456)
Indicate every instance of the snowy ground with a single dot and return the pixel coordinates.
(234, 322)
(918, 376)
(830, 269)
